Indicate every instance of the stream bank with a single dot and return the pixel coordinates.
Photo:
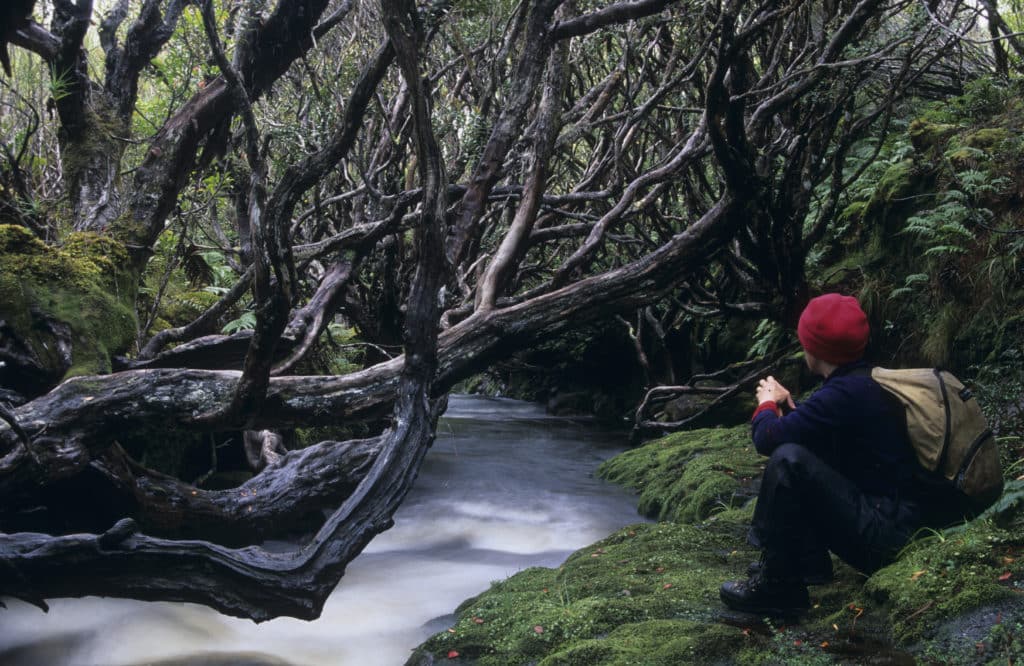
(648, 594)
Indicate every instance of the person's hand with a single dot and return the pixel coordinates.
(769, 389)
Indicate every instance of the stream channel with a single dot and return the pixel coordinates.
(505, 487)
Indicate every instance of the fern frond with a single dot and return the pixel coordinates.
(939, 250)
(244, 323)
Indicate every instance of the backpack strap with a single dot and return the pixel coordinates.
(941, 465)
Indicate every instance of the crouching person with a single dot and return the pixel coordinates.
(841, 474)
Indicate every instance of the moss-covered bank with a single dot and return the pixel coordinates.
(686, 477)
(648, 594)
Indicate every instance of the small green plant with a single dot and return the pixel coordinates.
(977, 184)
(244, 323)
(943, 228)
(768, 337)
(340, 349)
(982, 98)
(219, 271)
(60, 83)
(793, 648)
(910, 283)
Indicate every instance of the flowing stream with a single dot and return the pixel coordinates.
(504, 488)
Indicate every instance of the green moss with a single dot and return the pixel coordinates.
(688, 476)
(991, 149)
(27, 258)
(925, 135)
(646, 595)
(75, 287)
(180, 309)
(987, 139)
(18, 240)
(655, 642)
(891, 200)
(96, 141)
(963, 158)
(606, 601)
(127, 229)
(948, 575)
(107, 255)
(897, 182)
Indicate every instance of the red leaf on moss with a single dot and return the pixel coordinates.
(453, 654)
(537, 629)
(1006, 576)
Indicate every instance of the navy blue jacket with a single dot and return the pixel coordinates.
(856, 426)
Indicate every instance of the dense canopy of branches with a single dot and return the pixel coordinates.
(461, 178)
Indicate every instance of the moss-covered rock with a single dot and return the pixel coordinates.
(952, 573)
(689, 476)
(948, 576)
(65, 310)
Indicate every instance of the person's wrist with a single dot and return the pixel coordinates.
(767, 405)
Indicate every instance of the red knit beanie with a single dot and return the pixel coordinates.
(834, 328)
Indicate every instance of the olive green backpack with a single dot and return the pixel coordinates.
(947, 430)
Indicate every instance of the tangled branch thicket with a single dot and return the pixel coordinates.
(458, 179)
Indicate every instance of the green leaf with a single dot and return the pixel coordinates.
(246, 322)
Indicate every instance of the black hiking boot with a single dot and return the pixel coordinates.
(764, 596)
(817, 569)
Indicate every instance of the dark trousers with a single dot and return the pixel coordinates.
(806, 508)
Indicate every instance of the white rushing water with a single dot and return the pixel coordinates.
(504, 488)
